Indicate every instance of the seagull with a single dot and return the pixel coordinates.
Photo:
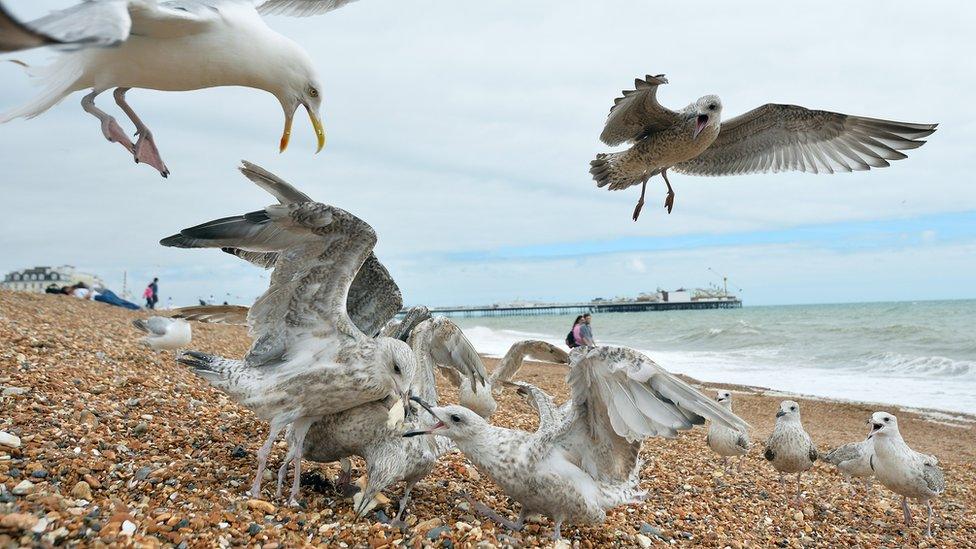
(308, 358)
(789, 448)
(770, 138)
(179, 45)
(164, 334)
(902, 470)
(724, 441)
(479, 398)
(389, 456)
(585, 461)
(854, 460)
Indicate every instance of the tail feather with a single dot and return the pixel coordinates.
(609, 170)
(140, 325)
(59, 80)
(230, 376)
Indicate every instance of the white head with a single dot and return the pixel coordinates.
(295, 83)
(400, 365)
(883, 424)
(708, 113)
(724, 398)
(454, 422)
(788, 411)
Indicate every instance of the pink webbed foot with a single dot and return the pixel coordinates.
(147, 153)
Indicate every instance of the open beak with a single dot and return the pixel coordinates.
(875, 427)
(316, 124)
(429, 430)
(700, 124)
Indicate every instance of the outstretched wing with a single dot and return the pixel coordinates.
(320, 249)
(401, 329)
(214, 314)
(621, 397)
(637, 113)
(530, 348)
(436, 342)
(777, 138)
(154, 325)
(551, 417)
(300, 8)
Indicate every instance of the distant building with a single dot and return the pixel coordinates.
(36, 279)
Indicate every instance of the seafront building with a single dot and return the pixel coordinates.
(37, 279)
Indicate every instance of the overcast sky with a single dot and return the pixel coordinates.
(462, 131)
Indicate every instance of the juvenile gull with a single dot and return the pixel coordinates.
(789, 448)
(902, 470)
(164, 334)
(724, 441)
(770, 138)
(480, 398)
(179, 45)
(308, 358)
(581, 463)
(854, 460)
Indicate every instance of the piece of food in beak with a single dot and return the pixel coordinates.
(394, 418)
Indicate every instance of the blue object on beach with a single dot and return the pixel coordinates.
(108, 296)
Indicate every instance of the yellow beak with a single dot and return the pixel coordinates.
(316, 123)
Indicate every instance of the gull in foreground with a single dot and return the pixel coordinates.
(363, 431)
(789, 448)
(770, 138)
(308, 358)
(179, 45)
(854, 460)
(583, 461)
(724, 441)
(164, 334)
(480, 397)
(902, 470)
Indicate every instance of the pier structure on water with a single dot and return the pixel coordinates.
(634, 306)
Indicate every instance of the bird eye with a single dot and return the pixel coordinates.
(886, 420)
(792, 408)
(313, 92)
(455, 418)
(396, 368)
(711, 107)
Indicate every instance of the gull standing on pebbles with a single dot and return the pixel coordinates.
(578, 465)
(179, 45)
(308, 358)
(854, 460)
(789, 448)
(164, 334)
(902, 470)
(770, 138)
(724, 441)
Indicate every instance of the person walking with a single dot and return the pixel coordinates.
(152, 293)
(573, 337)
(586, 332)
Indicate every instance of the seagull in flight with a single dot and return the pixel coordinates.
(179, 45)
(770, 138)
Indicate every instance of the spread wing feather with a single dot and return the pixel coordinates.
(637, 113)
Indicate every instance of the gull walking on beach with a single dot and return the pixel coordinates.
(724, 441)
(164, 334)
(770, 138)
(789, 448)
(578, 465)
(902, 470)
(853, 460)
(179, 45)
(308, 358)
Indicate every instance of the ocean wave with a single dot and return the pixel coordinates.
(926, 366)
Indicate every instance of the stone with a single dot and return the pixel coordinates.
(140, 428)
(253, 529)
(435, 533)
(428, 524)
(40, 473)
(19, 521)
(15, 391)
(9, 440)
(650, 530)
(643, 540)
(128, 528)
(143, 473)
(25, 487)
(260, 505)
(82, 490)
(239, 452)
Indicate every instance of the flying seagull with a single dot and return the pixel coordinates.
(902, 470)
(164, 334)
(724, 441)
(583, 459)
(770, 138)
(179, 45)
(308, 359)
(789, 448)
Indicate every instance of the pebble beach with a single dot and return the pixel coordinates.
(104, 442)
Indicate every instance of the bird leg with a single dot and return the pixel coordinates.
(738, 468)
(669, 201)
(344, 483)
(556, 535)
(487, 512)
(145, 150)
(300, 429)
(263, 454)
(640, 202)
(398, 520)
(907, 512)
(799, 496)
(928, 522)
(110, 127)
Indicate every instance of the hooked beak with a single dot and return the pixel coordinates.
(429, 430)
(780, 413)
(700, 124)
(316, 124)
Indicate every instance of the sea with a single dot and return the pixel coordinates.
(901, 354)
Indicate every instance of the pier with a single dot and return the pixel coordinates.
(588, 307)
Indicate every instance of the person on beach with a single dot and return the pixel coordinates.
(152, 293)
(102, 295)
(573, 337)
(586, 332)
